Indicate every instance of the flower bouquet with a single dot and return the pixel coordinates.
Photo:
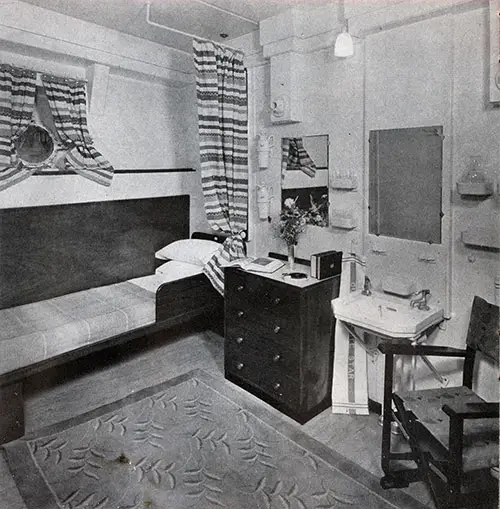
(292, 223)
(318, 212)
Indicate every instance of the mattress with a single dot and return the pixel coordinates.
(32, 333)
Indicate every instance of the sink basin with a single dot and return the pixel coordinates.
(387, 317)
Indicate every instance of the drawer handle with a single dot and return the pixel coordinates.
(276, 386)
(277, 300)
(239, 366)
(277, 357)
(239, 340)
(240, 314)
(276, 329)
(240, 288)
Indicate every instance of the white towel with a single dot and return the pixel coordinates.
(350, 374)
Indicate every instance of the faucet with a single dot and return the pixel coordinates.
(421, 302)
(367, 287)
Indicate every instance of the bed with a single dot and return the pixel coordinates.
(78, 278)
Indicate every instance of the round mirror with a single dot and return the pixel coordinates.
(34, 145)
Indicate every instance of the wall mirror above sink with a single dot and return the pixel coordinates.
(304, 175)
(408, 214)
(405, 183)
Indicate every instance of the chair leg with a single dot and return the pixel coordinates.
(392, 478)
(387, 413)
(442, 492)
(436, 485)
(455, 460)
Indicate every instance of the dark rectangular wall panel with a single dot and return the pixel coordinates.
(406, 173)
(59, 249)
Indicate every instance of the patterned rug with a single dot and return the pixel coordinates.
(193, 442)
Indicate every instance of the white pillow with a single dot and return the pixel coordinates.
(196, 251)
(172, 270)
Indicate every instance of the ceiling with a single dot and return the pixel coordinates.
(204, 18)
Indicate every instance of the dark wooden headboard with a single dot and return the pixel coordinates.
(58, 249)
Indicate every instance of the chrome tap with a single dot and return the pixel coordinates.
(421, 302)
(367, 287)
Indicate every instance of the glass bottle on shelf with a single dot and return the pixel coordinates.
(476, 173)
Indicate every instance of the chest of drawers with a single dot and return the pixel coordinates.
(279, 339)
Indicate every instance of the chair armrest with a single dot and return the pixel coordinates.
(465, 410)
(407, 349)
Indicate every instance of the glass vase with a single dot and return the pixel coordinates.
(291, 257)
(476, 173)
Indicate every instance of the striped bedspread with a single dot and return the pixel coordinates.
(35, 332)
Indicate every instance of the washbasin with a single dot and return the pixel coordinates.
(387, 316)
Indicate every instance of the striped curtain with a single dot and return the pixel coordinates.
(221, 89)
(17, 102)
(68, 105)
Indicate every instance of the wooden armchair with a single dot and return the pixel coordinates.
(452, 432)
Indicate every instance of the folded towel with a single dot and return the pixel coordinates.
(350, 367)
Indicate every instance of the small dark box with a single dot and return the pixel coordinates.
(326, 264)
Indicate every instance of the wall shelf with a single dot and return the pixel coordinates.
(343, 219)
(344, 183)
(481, 237)
(475, 188)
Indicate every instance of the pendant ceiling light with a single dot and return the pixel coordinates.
(344, 45)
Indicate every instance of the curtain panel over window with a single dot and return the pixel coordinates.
(68, 105)
(221, 88)
(17, 102)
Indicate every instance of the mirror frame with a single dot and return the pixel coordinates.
(319, 168)
(403, 147)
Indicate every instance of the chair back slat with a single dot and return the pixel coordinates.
(483, 328)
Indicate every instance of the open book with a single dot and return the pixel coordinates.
(261, 264)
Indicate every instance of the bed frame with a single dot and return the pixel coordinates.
(59, 249)
(97, 244)
(191, 297)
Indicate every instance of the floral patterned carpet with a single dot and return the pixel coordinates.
(188, 443)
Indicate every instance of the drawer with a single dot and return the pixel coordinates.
(258, 292)
(264, 353)
(281, 329)
(241, 366)
(281, 388)
(275, 384)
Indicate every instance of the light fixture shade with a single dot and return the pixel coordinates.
(344, 45)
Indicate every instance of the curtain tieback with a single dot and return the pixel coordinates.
(235, 244)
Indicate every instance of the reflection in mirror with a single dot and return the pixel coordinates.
(305, 176)
(34, 145)
(405, 174)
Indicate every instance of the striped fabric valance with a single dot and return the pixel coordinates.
(68, 104)
(17, 102)
(221, 88)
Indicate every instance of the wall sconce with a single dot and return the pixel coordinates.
(264, 150)
(344, 45)
(264, 197)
